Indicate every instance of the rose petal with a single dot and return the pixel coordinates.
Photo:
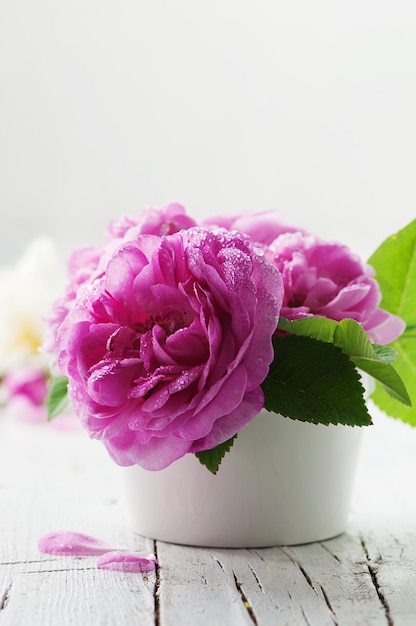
(126, 562)
(70, 543)
(183, 340)
(263, 227)
(328, 279)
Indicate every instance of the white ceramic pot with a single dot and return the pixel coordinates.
(283, 482)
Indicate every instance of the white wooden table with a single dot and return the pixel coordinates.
(53, 479)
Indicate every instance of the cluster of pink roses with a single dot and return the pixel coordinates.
(165, 331)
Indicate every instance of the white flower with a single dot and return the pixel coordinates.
(27, 292)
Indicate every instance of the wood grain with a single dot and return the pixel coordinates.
(53, 479)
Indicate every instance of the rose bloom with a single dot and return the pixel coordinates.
(263, 227)
(26, 393)
(87, 263)
(166, 220)
(166, 347)
(326, 279)
(29, 383)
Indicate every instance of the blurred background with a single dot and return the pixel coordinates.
(229, 105)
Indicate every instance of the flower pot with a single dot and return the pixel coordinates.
(283, 482)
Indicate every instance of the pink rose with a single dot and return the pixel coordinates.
(26, 389)
(87, 263)
(164, 221)
(326, 279)
(166, 347)
(262, 227)
(28, 382)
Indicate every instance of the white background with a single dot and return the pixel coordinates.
(107, 106)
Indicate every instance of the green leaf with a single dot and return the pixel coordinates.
(212, 458)
(320, 328)
(354, 341)
(395, 265)
(406, 369)
(58, 396)
(314, 381)
(386, 354)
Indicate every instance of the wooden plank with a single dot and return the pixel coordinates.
(40, 589)
(318, 584)
(51, 480)
(55, 480)
(321, 583)
(338, 567)
(6, 583)
(81, 595)
(391, 559)
(195, 588)
(324, 583)
(274, 588)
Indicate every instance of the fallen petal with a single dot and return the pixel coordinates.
(69, 543)
(126, 562)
